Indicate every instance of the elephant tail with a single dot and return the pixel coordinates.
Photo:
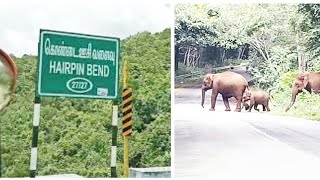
(271, 97)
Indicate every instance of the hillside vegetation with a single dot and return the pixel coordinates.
(75, 134)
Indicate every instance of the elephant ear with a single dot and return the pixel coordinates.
(305, 80)
(211, 77)
(207, 78)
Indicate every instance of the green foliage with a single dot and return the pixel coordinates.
(313, 65)
(16, 123)
(75, 134)
(267, 73)
(152, 147)
(306, 105)
(195, 24)
(149, 68)
(149, 76)
(310, 27)
(286, 79)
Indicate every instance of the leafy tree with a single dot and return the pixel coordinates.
(310, 26)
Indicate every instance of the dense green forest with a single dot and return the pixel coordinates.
(75, 134)
(266, 36)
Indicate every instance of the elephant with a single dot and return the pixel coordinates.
(307, 81)
(12, 71)
(228, 84)
(256, 97)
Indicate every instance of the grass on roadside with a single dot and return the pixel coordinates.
(307, 106)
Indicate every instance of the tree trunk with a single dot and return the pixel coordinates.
(240, 52)
(223, 55)
(259, 47)
(176, 60)
(191, 57)
(302, 63)
(199, 57)
(186, 57)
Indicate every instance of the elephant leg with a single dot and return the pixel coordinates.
(256, 107)
(213, 100)
(246, 106)
(251, 105)
(226, 103)
(267, 106)
(239, 100)
(268, 109)
(243, 104)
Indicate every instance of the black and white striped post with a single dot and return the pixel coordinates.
(114, 140)
(35, 133)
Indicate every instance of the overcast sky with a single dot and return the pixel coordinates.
(20, 20)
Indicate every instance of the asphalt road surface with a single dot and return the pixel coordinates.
(241, 145)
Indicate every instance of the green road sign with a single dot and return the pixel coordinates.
(78, 65)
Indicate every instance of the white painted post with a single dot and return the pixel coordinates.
(35, 133)
(114, 140)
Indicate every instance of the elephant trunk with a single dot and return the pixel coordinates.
(293, 99)
(203, 95)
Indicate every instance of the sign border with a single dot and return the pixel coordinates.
(87, 36)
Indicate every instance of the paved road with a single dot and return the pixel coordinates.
(241, 145)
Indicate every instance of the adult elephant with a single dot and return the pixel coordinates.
(11, 69)
(307, 81)
(228, 84)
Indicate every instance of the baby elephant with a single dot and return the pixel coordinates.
(256, 97)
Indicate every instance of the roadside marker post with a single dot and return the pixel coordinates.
(127, 114)
(35, 135)
(114, 140)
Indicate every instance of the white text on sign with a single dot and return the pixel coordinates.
(83, 52)
(81, 69)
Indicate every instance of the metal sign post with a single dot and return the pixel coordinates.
(114, 140)
(35, 135)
